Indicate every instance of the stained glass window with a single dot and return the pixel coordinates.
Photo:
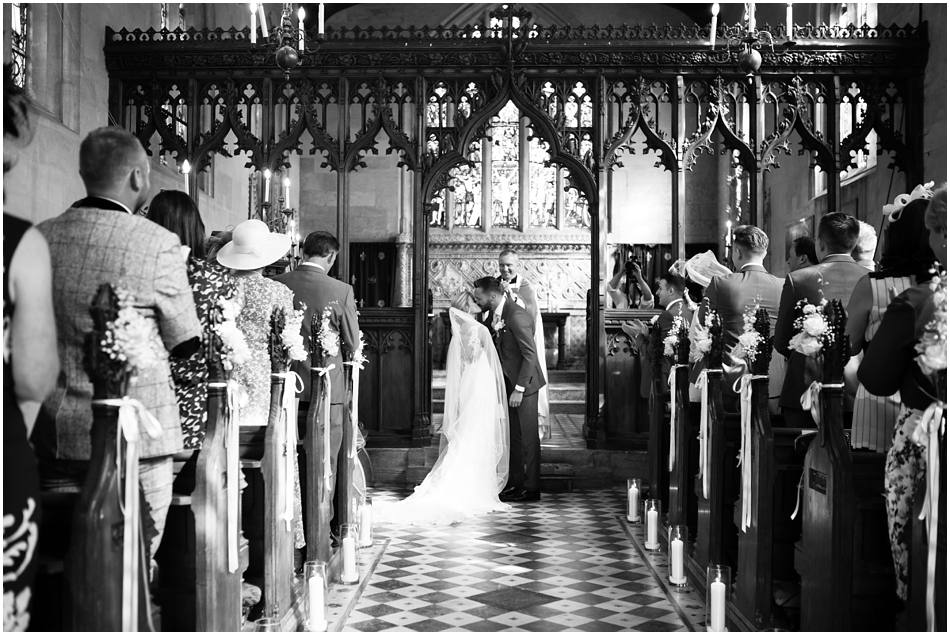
(542, 183)
(576, 207)
(20, 41)
(467, 183)
(505, 160)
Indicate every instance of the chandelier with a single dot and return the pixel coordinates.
(291, 38)
(751, 42)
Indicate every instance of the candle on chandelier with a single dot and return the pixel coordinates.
(260, 11)
(301, 14)
(788, 21)
(186, 170)
(713, 24)
(253, 23)
(728, 233)
(321, 20)
(751, 16)
(286, 184)
(267, 175)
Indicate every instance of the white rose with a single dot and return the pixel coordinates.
(814, 325)
(808, 309)
(805, 344)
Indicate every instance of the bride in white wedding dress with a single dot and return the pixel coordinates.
(472, 467)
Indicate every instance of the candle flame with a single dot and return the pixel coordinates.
(186, 167)
(286, 181)
(301, 14)
(715, 8)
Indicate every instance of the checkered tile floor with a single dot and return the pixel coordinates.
(568, 563)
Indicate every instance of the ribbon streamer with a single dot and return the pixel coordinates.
(702, 382)
(932, 423)
(132, 417)
(293, 384)
(234, 394)
(743, 387)
(324, 373)
(672, 383)
(355, 367)
(811, 399)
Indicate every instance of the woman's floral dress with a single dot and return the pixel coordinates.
(210, 283)
(260, 297)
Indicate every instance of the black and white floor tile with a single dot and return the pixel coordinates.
(567, 563)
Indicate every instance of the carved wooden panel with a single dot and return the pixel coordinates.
(386, 382)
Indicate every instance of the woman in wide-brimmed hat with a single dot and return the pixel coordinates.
(252, 247)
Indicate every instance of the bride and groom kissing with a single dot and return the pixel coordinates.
(490, 450)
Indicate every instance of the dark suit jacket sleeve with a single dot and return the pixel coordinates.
(349, 322)
(888, 358)
(665, 323)
(521, 328)
(785, 326)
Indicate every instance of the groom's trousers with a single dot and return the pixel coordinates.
(524, 457)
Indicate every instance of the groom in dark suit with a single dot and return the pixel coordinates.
(512, 330)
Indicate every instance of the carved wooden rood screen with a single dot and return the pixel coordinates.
(434, 90)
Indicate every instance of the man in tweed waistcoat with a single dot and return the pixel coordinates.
(99, 240)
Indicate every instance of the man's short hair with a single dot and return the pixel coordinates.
(107, 155)
(488, 284)
(805, 246)
(674, 281)
(751, 239)
(867, 240)
(320, 244)
(839, 232)
(508, 252)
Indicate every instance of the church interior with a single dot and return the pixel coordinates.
(608, 150)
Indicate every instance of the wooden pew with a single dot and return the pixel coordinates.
(844, 558)
(659, 443)
(681, 475)
(317, 501)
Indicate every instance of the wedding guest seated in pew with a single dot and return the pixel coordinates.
(892, 363)
(730, 295)
(100, 239)
(315, 292)
(801, 254)
(833, 278)
(210, 284)
(30, 367)
(906, 260)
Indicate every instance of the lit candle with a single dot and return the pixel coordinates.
(318, 604)
(260, 11)
(253, 23)
(351, 573)
(717, 592)
(267, 175)
(301, 14)
(633, 503)
(321, 20)
(788, 21)
(286, 183)
(366, 524)
(713, 25)
(676, 561)
(751, 15)
(652, 524)
(186, 170)
(728, 233)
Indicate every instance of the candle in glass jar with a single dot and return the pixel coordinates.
(717, 593)
(652, 523)
(351, 572)
(366, 525)
(318, 617)
(676, 561)
(633, 503)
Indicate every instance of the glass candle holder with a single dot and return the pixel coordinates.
(349, 542)
(651, 520)
(366, 523)
(315, 577)
(678, 540)
(634, 491)
(267, 625)
(718, 590)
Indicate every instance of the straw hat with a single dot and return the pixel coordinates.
(253, 246)
(702, 268)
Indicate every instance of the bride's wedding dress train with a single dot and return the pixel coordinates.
(473, 461)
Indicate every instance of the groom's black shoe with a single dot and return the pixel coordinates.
(523, 496)
(508, 492)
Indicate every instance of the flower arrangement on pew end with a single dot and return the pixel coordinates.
(755, 342)
(328, 339)
(705, 340)
(676, 343)
(820, 336)
(121, 344)
(286, 339)
(228, 341)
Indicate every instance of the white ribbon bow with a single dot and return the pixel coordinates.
(811, 399)
(356, 366)
(672, 383)
(932, 423)
(743, 387)
(702, 382)
(133, 418)
(234, 395)
(293, 384)
(324, 373)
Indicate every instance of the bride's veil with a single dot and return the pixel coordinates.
(469, 341)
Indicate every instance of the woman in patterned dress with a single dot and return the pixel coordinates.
(906, 260)
(30, 368)
(252, 248)
(890, 365)
(210, 283)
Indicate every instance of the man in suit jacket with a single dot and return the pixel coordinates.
(513, 331)
(730, 295)
(835, 276)
(316, 290)
(100, 240)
